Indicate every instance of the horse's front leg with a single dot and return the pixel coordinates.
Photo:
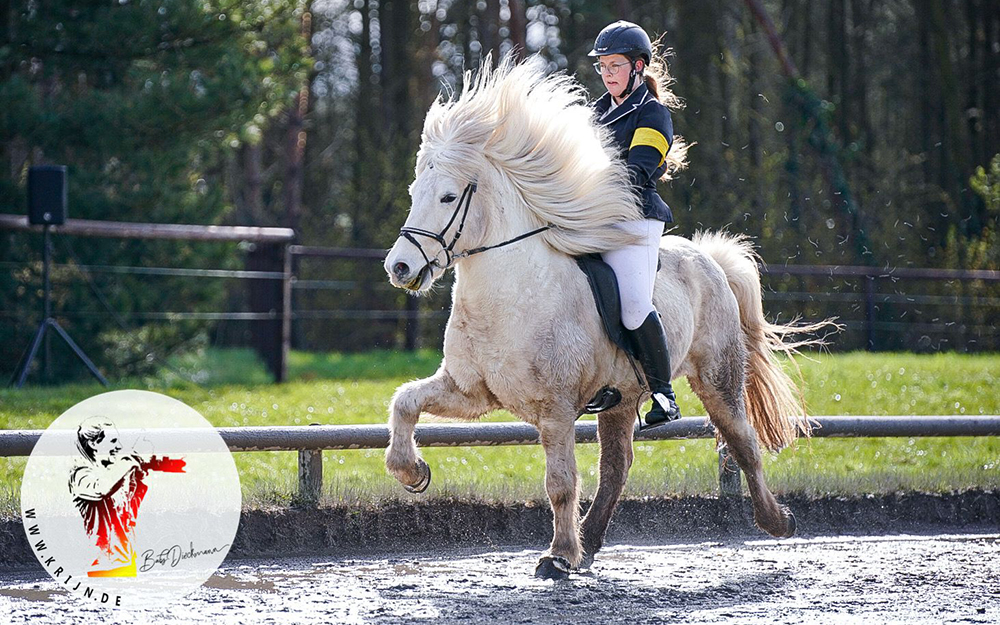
(562, 486)
(437, 395)
(614, 433)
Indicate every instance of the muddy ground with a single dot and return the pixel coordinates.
(905, 559)
(431, 523)
(885, 579)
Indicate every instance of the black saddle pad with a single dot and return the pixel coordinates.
(604, 286)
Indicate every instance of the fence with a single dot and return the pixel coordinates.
(292, 306)
(897, 319)
(310, 440)
(870, 301)
(267, 271)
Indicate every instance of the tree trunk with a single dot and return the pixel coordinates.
(295, 138)
(973, 108)
(753, 120)
(698, 35)
(858, 90)
(7, 28)
(796, 15)
(807, 38)
(362, 185)
(397, 26)
(490, 31)
(955, 167)
(426, 56)
(838, 67)
(991, 78)
(253, 182)
(518, 25)
(928, 100)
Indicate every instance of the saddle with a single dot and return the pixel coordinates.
(607, 299)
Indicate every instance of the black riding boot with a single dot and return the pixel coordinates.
(650, 343)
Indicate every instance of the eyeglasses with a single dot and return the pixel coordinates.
(612, 69)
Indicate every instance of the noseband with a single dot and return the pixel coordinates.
(449, 248)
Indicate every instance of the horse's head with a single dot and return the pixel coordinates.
(447, 217)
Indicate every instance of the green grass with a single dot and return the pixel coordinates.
(340, 389)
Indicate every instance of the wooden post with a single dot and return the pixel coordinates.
(310, 475)
(267, 300)
(730, 477)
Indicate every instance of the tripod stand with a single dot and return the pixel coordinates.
(49, 322)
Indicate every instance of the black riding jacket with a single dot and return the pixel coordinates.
(643, 130)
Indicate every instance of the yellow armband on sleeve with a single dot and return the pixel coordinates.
(652, 138)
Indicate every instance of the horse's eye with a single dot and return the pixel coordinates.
(448, 198)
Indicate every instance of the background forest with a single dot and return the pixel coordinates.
(874, 144)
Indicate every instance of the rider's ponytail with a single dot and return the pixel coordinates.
(658, 81)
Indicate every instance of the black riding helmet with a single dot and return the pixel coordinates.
(626, 38)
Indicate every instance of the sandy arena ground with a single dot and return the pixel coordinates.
(846, 579)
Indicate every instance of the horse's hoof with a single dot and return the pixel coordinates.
(587, 561)
(791, 526)
(425, 478)
(552, 567)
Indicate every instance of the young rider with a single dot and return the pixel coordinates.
(634, 109)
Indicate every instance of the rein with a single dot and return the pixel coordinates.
(448, 248)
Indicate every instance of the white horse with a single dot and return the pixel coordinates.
(516, 168)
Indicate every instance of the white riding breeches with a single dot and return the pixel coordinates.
(635, 269)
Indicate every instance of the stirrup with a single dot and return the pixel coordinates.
(667, 407)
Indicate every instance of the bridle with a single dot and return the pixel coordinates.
(449, 248)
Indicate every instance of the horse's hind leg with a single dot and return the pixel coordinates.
(614, 433)
(437, 395)
(721, 391)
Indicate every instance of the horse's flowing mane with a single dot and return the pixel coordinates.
(539, 134)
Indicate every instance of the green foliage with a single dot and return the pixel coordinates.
(143, 101)
(987, 184)
(982, 250)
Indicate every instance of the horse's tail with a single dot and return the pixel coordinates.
(775, 405)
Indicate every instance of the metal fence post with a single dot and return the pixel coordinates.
(310, 475)
(730, 482)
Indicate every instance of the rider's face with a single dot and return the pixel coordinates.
(616, 72)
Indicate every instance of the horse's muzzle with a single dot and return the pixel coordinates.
(418, 280)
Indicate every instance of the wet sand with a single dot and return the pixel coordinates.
(935, 578)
